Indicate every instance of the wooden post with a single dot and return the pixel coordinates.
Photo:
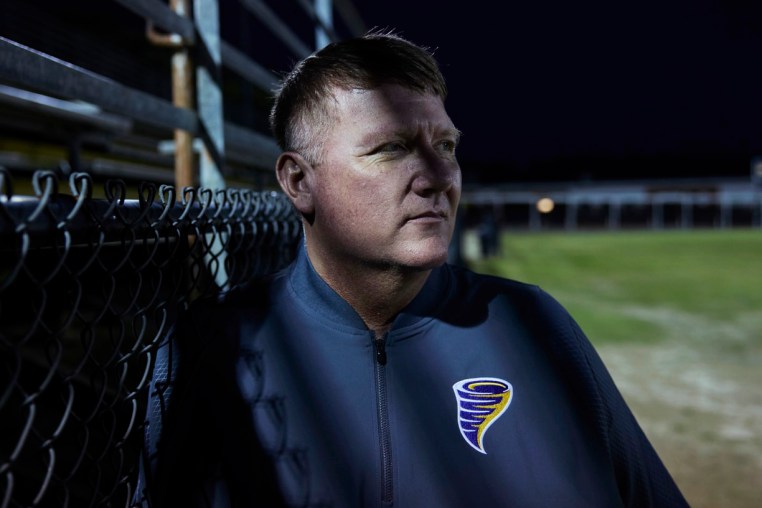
(182, 94)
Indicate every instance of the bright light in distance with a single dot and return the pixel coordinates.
(545, 205)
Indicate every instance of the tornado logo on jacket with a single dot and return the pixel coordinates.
(481, 401)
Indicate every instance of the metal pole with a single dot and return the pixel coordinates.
(324, 12)
(570, 220)
(657, 213)
(535, 221)
(686, 211)
(615, 214)
(726, 212)
(209, 94)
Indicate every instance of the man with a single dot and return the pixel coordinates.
(370, 372)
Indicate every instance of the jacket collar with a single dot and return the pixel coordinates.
(317, 295)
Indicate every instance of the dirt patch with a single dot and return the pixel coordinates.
(700, 403)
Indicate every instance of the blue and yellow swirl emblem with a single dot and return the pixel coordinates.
(481, 401)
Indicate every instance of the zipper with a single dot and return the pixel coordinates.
(383, 419)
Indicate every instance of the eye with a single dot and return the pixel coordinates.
(447, 146)
(392, 147)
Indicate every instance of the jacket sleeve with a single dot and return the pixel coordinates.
(203, 449)
(642, 478)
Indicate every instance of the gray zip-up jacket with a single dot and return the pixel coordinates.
(484, 393)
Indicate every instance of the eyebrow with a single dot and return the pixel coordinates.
(456, 133)
(377, 135)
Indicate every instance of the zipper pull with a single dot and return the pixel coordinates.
(380, 351)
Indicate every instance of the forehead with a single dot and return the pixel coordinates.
(389, 107)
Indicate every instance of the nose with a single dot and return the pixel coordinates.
(435, 175)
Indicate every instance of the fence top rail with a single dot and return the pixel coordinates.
(157, 206)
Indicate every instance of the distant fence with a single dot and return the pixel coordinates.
(684, 204)
(88, 290)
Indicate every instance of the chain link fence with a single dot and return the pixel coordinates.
(88, 290)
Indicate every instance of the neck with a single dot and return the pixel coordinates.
(377, 294)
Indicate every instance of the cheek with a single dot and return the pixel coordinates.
(344, 206)
(367, 203)
(359, 197)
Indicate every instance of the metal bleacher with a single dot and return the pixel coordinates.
(111, 88)
(135, 177)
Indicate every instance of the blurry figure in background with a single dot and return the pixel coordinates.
(488, 235)
(370, 372)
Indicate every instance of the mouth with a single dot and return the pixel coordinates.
(431, 216)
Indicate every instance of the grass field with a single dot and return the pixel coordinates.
(677, 317)
(614, 283)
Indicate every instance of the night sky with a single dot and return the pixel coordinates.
(594, 89)
(542, 90)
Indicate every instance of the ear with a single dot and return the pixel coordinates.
(295, 176)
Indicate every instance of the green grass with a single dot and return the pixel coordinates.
(641, 286)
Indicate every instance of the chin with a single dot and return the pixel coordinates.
(425, 259)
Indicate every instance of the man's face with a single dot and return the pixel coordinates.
(387, 182)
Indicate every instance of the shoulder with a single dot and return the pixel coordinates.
(530, 299)
(486, 298)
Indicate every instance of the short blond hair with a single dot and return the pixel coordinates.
(303, 103)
